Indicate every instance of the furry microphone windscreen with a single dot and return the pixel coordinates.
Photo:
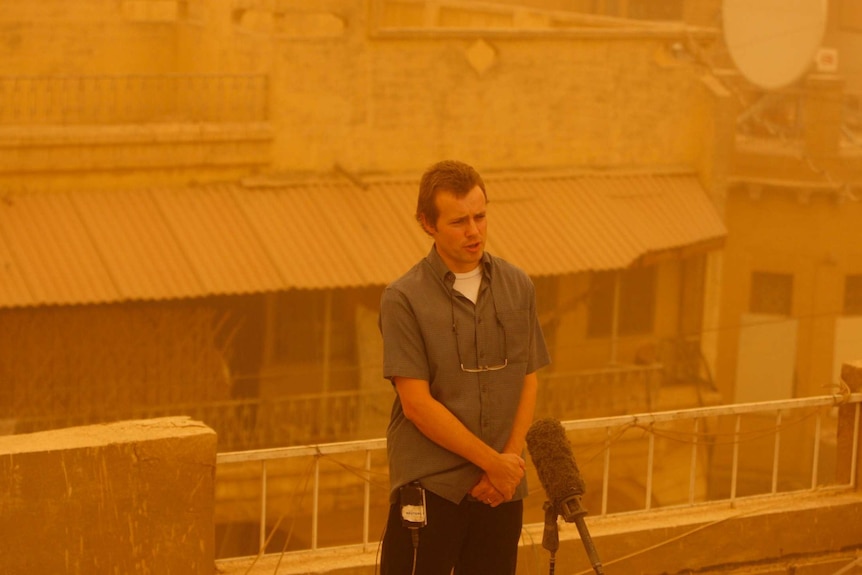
(555, 464)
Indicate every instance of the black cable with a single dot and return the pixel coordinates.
(414, 534)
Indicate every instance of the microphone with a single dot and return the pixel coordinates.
(552, 455)
(555, 464)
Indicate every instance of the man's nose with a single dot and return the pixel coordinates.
(472, 227)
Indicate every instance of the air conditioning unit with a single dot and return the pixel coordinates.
(826, 60)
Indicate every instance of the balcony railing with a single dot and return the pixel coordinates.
(609, 390)
(257, 423)
(675, 459)
(254, 423)
(132, 99)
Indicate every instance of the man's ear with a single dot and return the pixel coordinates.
(429, 229)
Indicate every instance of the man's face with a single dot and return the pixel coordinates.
(460, 230)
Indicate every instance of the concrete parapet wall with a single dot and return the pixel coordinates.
(807, 534)
(801, 528)
(128, 497)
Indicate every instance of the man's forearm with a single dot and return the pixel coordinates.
(440, 425)
(523, 416)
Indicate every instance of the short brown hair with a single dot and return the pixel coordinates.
(450, 176)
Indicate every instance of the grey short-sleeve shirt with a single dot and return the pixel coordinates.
(429, 330)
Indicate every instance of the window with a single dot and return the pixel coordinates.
(771, 293)
(636, 303)
(853, 295)
(547, 305)
(302, 327)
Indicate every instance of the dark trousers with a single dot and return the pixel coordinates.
(474, 538)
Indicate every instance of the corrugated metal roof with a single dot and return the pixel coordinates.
(570, 224)
(96, 247)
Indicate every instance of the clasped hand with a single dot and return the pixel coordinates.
(497, 485)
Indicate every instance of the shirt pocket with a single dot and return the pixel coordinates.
(516, 329)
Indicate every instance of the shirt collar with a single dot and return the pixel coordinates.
(443, 272)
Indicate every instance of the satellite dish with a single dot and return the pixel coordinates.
(773, 42)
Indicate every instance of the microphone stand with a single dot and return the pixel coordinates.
(551, 534)
(572, 512)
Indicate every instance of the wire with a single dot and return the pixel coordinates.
(379, 548)
(306, 477)
(293, 522)
(683, 535)
(846, 569)
(414, 535)
(689, 437)
(360, 472)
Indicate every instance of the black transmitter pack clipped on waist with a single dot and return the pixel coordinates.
(412, 499)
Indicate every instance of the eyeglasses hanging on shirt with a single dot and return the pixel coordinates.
(480, 368)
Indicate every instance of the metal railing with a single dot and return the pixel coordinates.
(257, 423)
(132, 99)
(724, 447)
(610, 390)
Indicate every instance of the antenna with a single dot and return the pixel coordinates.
(773, 42)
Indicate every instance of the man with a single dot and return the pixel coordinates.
(462, 345)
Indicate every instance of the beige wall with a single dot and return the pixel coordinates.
(339, 93)
(87, 37)
(780, 232)
(573, 350)
(400, 104)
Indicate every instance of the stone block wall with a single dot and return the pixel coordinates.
(339, 90)
(128, 497)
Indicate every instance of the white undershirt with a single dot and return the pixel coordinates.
(468, 283)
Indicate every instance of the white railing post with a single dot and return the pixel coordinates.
(315, 503)
(775, 452)
(848, 426)
(607, 471)
(734, 470)
(366, 505)
(262, 543)
(692, 471)
(815, 460)
(650, 463)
